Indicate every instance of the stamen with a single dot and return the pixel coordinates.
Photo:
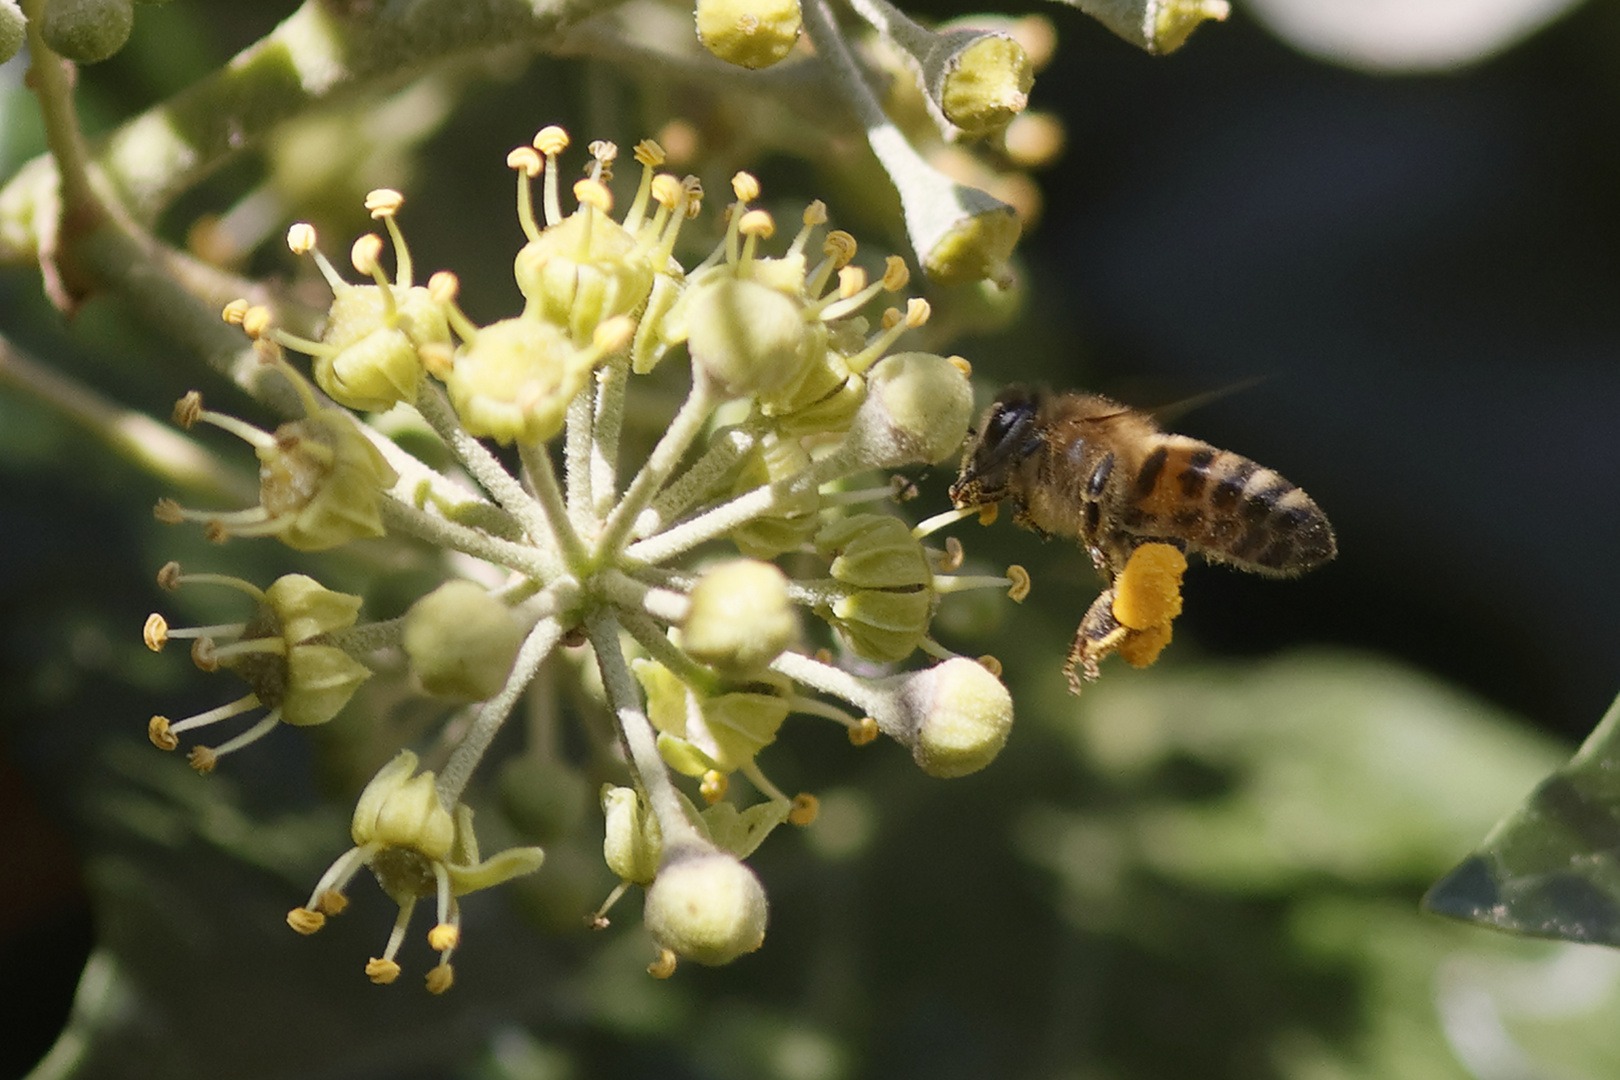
(864, 733)
(664, 966)
(714, 785)
(440, 978)
(806, 808)
(212, 716)
(527, 162)
(961, 364)
(990, 664)
(247, 738)
(305, 921)
(932, 525)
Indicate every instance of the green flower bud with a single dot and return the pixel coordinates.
(954, 716)
(13, 29)
(747, 337)
(371, 360)
(1159, 26)
(984, 83)
(706, 906)
(461, 641)
(397, 809)
(633, 843)
(824, 396)
(699, 732)
(748, 33)
(777, 461)
(544, 798)
(885, 614)
(916, 411)
(585, 269)
(514, 380)
(310, 683)
(325, 479)
(87, 31)
(740, 618)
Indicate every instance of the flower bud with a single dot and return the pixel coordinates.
(916, 411)
(706, 906)
(461, 641)
(1159, 26)
(400, 810)
(544, 798)
(748, 33)
(984, 83)
(87, 31)
(633, 843)
(514, 380)
(955, 716)
(13, 29)
(740, 618)
(747, 337)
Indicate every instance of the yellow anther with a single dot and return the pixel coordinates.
(713, 787)
(234, 311)
(805, 809)
(917, 312)
(745, 186)
(202, 759)
(895, 274)
(169, 576)
(216, 532)
(157, 729)
(551, 139)
(525, 159)
(300, 237)
(366, 253)
(331, 902)
(664, 966)
(953, 555)
(816, 213)
(839, 246)
(156, 632)
(593, 193)
(961, 364)
(1033, 139)
(440, 979)
(824, 655)
(443, 287)
(988, 512)
(851, 280)
(381, 972)
(384, 202)
(667, 189)
(891, 318)
(990, 664)
(864, 732)
(187, 409)
(256, 321)
(443, 936)
(305, 921)
(603, 150)
(757, 223)
(1015, 574)
(648, 153)
(168, 511)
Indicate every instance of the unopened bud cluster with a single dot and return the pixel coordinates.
(797, 396)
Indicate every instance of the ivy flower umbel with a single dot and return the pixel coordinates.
(794, 393)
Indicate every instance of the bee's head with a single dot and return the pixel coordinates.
(1005, 437)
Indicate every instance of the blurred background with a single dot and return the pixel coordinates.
(1390, 231)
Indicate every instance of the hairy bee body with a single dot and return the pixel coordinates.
(1081, 465)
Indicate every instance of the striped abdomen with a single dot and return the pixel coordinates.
(1224, 506)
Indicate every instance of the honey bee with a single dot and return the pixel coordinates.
(1081, 465)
